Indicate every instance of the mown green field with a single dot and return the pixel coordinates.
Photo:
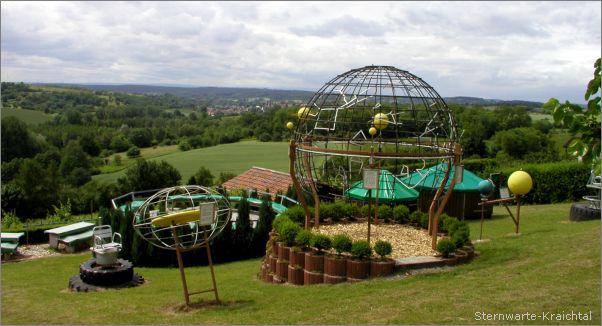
(146, 153)
(553, 266)
(536, 116)
(27, 116)
(235, 158)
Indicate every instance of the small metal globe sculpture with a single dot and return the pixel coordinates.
(520, 182)
(375, 116)
(485, 187)
(183, 218)
(177, 210)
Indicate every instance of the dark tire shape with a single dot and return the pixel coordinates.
(77, 285)
(582, 212)
(90, 273)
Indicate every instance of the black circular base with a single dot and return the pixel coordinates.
(77, 285)
(583, 212)
(121, 272)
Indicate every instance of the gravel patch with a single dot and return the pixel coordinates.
(406, 241)
(31, 251)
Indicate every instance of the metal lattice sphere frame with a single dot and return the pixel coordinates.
(381, 112)
(184, 202)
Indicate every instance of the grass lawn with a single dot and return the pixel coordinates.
(235, 158)
(27, 116)
(554, 266)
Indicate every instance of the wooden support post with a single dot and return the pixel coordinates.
(179, 251)
(210, 261)
(292, 157)
(181, 266)
(314, 191)
(517, 213)
(482, 218)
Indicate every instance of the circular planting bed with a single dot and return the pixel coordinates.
(407, 241)
(306, 264)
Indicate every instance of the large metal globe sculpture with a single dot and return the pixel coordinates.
(183, 216)
(375, 116)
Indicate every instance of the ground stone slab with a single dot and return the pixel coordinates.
(407, 263)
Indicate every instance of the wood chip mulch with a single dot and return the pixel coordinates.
(406, 241)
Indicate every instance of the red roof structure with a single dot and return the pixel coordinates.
(260, 179)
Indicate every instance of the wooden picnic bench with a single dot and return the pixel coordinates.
(70, 235)
(10, 242)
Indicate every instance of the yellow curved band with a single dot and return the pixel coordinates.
(177, 218)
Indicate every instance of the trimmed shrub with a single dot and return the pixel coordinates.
(416, 216)
(401, 214)
(279, 221)
(361, 249)
(364, 211)
(320, 242)
(328, 211)
(288, 233)
(338, 210)
(303, 238)
(296, 214)
(341, 243)
(553, 182)
(424, 220)
(350, 211)
(385, 213)
(383, 248)
(446, 222)
(446, 247)
(461, 235)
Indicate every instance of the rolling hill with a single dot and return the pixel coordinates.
(235, 158)
(237, 94)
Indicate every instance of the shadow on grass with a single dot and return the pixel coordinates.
(208, 305)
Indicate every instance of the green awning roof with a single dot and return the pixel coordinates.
(432, 177)
(390, 190)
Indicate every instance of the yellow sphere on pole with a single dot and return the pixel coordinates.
(380, 121)
(303, 112)
(520, 182)
(372, 131)
(289, 125)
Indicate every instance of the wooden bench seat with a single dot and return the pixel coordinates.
(74, 242)
(11, 236)
(9, 247)
(60, 233)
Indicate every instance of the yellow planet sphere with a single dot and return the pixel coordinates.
(520, 182)
(303, 112)
(289, 125)
(372, 131)
(380, 121)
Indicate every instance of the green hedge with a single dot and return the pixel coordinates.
(481, 166)
(553, 182)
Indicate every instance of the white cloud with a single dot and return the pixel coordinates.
(509, 50)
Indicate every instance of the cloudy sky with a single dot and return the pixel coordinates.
(505, 50)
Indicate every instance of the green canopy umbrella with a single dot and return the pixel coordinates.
(432, 177)
(390, 190)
